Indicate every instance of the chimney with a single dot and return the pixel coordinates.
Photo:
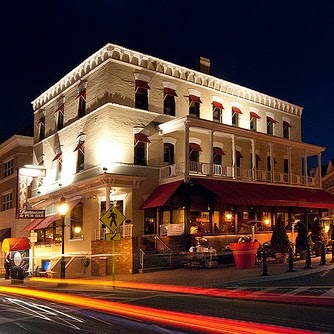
(203, 65)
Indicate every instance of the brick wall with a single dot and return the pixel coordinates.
(126, 259)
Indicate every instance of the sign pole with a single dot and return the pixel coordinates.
(113, 262)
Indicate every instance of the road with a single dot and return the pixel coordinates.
(22, 315)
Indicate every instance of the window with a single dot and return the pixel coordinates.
(270, 125)
(8, 168)
(218, 156)
(238, 157)
(194, 150)
(253, 121)
(80, 149)
(41, 128)
(77, 221)
(169, 101)
(286, 129)
(268, 164)
(141, 94)
(81, 103)
(217, 111)
(7, 201)
(236, 112)
(169, 153)
(60, 117)
(257, 160)
(59, 162)
(140, 149)
(194, 105)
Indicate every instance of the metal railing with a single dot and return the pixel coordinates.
(160, 245)
(223, 171)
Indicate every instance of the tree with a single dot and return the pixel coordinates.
(302, 241)
(279, 242)
(318, 236)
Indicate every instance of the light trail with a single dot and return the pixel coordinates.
(188, 321)
(208, 292)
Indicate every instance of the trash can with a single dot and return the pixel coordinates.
(17, 274)
(45, 265)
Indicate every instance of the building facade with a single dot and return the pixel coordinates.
(174, 149)
(15, 152)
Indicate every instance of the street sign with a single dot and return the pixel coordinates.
(113, 236)
(112, 219)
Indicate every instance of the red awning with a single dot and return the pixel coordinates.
(37, 224)
(255, 115)
(79, 147)
(242, 193)
(257, 157)
(217, 105)
(195, 147)
(236, 110)
(239, 155)
(271, 120)
(60, 108)
(58, 155)
(218, 151)
(286, 124)
(160, 195)
(82, 94)
(140, 137)
(141, 84)
(15, 244)
(170, 91)
(194, 98)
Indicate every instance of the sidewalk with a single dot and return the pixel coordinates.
(208, 277)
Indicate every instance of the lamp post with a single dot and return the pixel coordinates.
(62, 210)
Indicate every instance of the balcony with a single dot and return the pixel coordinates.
(200, 169)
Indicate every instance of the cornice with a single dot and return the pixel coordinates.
(119, 53)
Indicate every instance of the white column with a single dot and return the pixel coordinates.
(305, 168)
(290, 165)
(211, 152)
(234, 156)
(272, 163)
(319, 169)
(186, 150)
(253, 160)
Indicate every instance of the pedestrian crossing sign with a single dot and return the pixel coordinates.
(116, 236)
(112, 219)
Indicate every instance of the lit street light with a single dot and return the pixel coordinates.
(62, 210)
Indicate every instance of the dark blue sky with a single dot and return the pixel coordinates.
(283, 48)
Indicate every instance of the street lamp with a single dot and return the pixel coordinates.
(62, 210)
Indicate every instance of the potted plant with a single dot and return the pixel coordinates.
(318, 236)
(244, 252)
(302, 239)
(280, 243)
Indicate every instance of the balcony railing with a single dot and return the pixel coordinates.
(244, 174)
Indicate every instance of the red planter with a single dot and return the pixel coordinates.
(244, 254)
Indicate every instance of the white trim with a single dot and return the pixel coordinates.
(142, 77)
(195, 141)
(217, 99)
(169, 85)
(169, 140)
(236, 104)
(194, 92)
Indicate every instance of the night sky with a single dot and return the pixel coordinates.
(283, 48)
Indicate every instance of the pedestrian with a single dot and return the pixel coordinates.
(7, 266)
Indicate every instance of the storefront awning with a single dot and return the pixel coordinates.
(15, 244)
(241, 193)
(37, 224)
(160, 195)
(5, 233)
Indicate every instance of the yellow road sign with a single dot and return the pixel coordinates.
(113, 236)
(112, 218)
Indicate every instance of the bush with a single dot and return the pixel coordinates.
(302, 241)
(279, 242)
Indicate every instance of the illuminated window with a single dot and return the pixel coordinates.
(8, 168)
(141, 94)
(194, 105)
(77, 221)
(217, 111)
(286, 130)
(169, 101)
(80, 149)
(253, 120)
(140, 149)
(169, 153)
(7, 201)
(270, 125)
(60, 117)
(236, 112)
(81, 103)
(41, 128)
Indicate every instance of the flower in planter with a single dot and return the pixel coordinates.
(245, 238)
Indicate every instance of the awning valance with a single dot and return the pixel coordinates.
(57, 156)
(160, 195)
(271, 120)
(241, 193)
(286, 124)
(217, 105)
(140, 84)
(194, 98)
(38, 224)
(218, 151)
(195, 147)
(170, 91)
(15, 244)
(236, 110)
(255, 115)
(141, 138)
